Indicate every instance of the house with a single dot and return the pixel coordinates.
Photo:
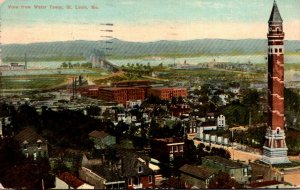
(137, 172)
(196, 176)
(103, 176)
(180, 109)
(166, 149)
(33, 145)
(5, 127)
(102, 139)
(174, 183)
(234, 89)
(133, 103)
(237, 170)
(128, 171)
(221, 121)
(224, 99)
(262, 172)
(66, 180)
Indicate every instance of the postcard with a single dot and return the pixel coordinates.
(149, 94)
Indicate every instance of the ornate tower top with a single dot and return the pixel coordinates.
(275, 15)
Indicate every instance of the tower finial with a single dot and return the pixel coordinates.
(275, 15)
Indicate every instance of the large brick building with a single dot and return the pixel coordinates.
(166, 93)
(121, 94)
(275, 149)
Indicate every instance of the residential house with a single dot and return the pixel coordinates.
(166, 149)
(128, 170)
(66, 180)
(196, 176)
(102, 139)
(33, 145)
(103, 176)
(221, 121)
(262, 172)
(180, 109)
(237, 170)
(174, 183)
(137, 172)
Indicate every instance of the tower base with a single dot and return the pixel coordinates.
(275, 155)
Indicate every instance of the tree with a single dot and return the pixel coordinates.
(223, 181)
(93, 110)
(180, 100)
(174, 100)
(190, 152)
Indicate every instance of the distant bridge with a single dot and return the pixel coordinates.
(104, 64)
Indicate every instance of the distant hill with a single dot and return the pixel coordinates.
(80, 49)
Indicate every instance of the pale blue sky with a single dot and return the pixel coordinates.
(172, 16)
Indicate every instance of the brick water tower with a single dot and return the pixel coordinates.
(275, 149)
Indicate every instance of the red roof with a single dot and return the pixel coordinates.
(98, 134)
(70, 179)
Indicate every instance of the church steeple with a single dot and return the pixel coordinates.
(275, 15)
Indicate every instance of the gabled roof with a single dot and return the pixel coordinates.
(98, 134)
(197, 171)
(225, 162)
(132, 161)
(71, 180)
(275, 15)
(105, 172)
(29, 135)
(174, 183)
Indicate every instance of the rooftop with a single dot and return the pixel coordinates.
(197, 171)
(104, 171)
(98, 134)
(225, 162)
(29, 135)
(171, 140)
(70, 179)
(119, 88)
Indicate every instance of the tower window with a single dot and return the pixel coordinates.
(271, 50)
(280, 50)
(276, 50)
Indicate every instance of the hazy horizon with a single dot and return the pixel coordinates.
(33, 21)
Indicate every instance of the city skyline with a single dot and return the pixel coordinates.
(143, 20)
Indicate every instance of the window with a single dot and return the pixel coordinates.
(171, 149)
(181, 148)
(245, 171)
(140, 169)
(34, 156)
(175, 149)
(39, 143)
(280, 50)
(150, 178)
(136, 181)
(130, 181)
(271, 50)
(276, 50)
